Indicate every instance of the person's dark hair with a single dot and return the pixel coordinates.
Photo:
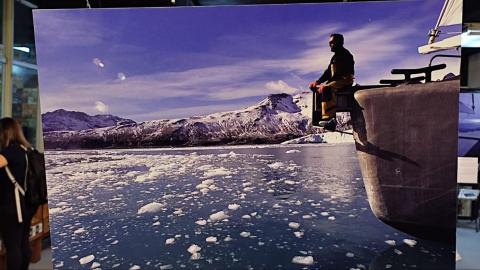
(338, 37)
(11, 132)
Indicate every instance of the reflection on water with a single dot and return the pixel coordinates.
(217, 208)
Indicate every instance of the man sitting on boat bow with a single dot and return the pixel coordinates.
(338, 76)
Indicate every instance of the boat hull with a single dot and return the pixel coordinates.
(406, 140)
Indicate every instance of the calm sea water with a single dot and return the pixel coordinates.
(223, 208)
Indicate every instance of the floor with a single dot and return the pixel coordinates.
(468, 243)
(45, 263)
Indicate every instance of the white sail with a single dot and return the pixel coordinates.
(452, 14)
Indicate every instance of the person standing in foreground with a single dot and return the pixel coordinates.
(338, 76)
(14, 224)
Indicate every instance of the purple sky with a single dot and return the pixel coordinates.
(180, 62)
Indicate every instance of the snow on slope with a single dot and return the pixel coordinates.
(275, 119)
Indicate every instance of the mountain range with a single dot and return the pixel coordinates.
(277, 118)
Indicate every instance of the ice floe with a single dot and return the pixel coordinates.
(218, 216)
(86, 259)
(153, 207)
(294, 225)
(211, 239)
(170, 241)
(390, 242)
(410, 242)
(298, 234)
(245, 234)
(276, 165)
(233, 206)
(201, 222)
(194, 249)
(79, 231)
(304, 260)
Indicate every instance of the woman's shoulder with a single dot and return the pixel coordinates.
(12, 149)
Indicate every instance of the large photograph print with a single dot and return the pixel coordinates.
(183, 138)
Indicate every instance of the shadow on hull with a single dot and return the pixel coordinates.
(406, 141)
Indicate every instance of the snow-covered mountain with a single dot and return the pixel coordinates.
(275, 119)
(62, 120)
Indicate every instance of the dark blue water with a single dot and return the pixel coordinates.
(292, 201)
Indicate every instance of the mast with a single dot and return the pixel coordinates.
(433, 34)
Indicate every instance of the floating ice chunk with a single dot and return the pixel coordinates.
(304, 260)
(169, 241)
(204, 190)
(54, 211)
(325, 214)
(211, 239)
(388, 266)
(390, 242)
(59, 264)
(246, 216)
(331, 218)
(227, 239)
(201, 186)
(292, 151)
(201, 222)
(86, 259)
(95, 265)
(218, 216)
(79, 231)
(253, 214)
(135, 267)
(410, 242)
(114, 242)
(217, 172)
(178, 212)
(156, 223)
(195, 256)
(277, 206)
(289, 182)
(247, 189)
(194, 249)
(245, 234)
(207, 182)
(298, 234)
(166, 267)
(270, 191)
(306, 216)
(233, 206)
(294, 225)
(276, 165)
(398, 252)
(350, 254)
(153, 207)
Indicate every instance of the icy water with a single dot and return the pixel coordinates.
(266, 207)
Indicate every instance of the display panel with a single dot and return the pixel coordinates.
(175, 139)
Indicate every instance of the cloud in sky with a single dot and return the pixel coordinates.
(280, 86)
(101, 107)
